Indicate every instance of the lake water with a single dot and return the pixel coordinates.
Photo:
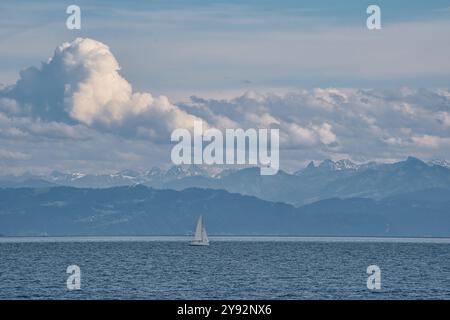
(230, 268)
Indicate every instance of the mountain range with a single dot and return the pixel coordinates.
(154, 176)
(340, 179)
(406, 198)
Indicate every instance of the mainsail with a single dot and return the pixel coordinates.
(200, 237)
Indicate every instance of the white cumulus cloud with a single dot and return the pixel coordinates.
(81, 82)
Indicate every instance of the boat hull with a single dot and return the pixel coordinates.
(195, 243)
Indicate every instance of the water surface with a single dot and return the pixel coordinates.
(230, 268)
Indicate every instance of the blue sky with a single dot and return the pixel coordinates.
(312, 68)
(179, 48)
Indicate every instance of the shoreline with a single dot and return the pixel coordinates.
(228, 238)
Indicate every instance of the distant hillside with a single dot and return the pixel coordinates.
(30, 183)
(140, 210)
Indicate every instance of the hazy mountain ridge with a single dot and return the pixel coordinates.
(342, 179)
(139, 210)
(155, 176)
(328, 180)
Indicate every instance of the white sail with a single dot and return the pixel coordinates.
(205, 235)
(199, 230)
(200, 237)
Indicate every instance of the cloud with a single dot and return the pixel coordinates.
(26, 128)
(326, 134)
(331, 122)
(81, 83)
(77, 110)
(12, 155)
(428, 141)
(295, 135)
(444, 118)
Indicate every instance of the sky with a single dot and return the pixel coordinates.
(106, 97)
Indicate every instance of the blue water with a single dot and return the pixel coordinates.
(230, 268)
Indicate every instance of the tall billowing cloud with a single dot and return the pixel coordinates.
(81, 83)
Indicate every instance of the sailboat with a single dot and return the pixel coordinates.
(200, 238)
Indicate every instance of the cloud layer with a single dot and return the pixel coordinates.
(77, 110)
(365, 124)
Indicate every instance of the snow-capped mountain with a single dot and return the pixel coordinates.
(439, 162)
(341, 179)
(153, 173)
(178, 172)
(56, 176)
(329, 180)
(340, 165)
(154, 177)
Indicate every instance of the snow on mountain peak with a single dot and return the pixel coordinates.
(440, 162)
(343, 164)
